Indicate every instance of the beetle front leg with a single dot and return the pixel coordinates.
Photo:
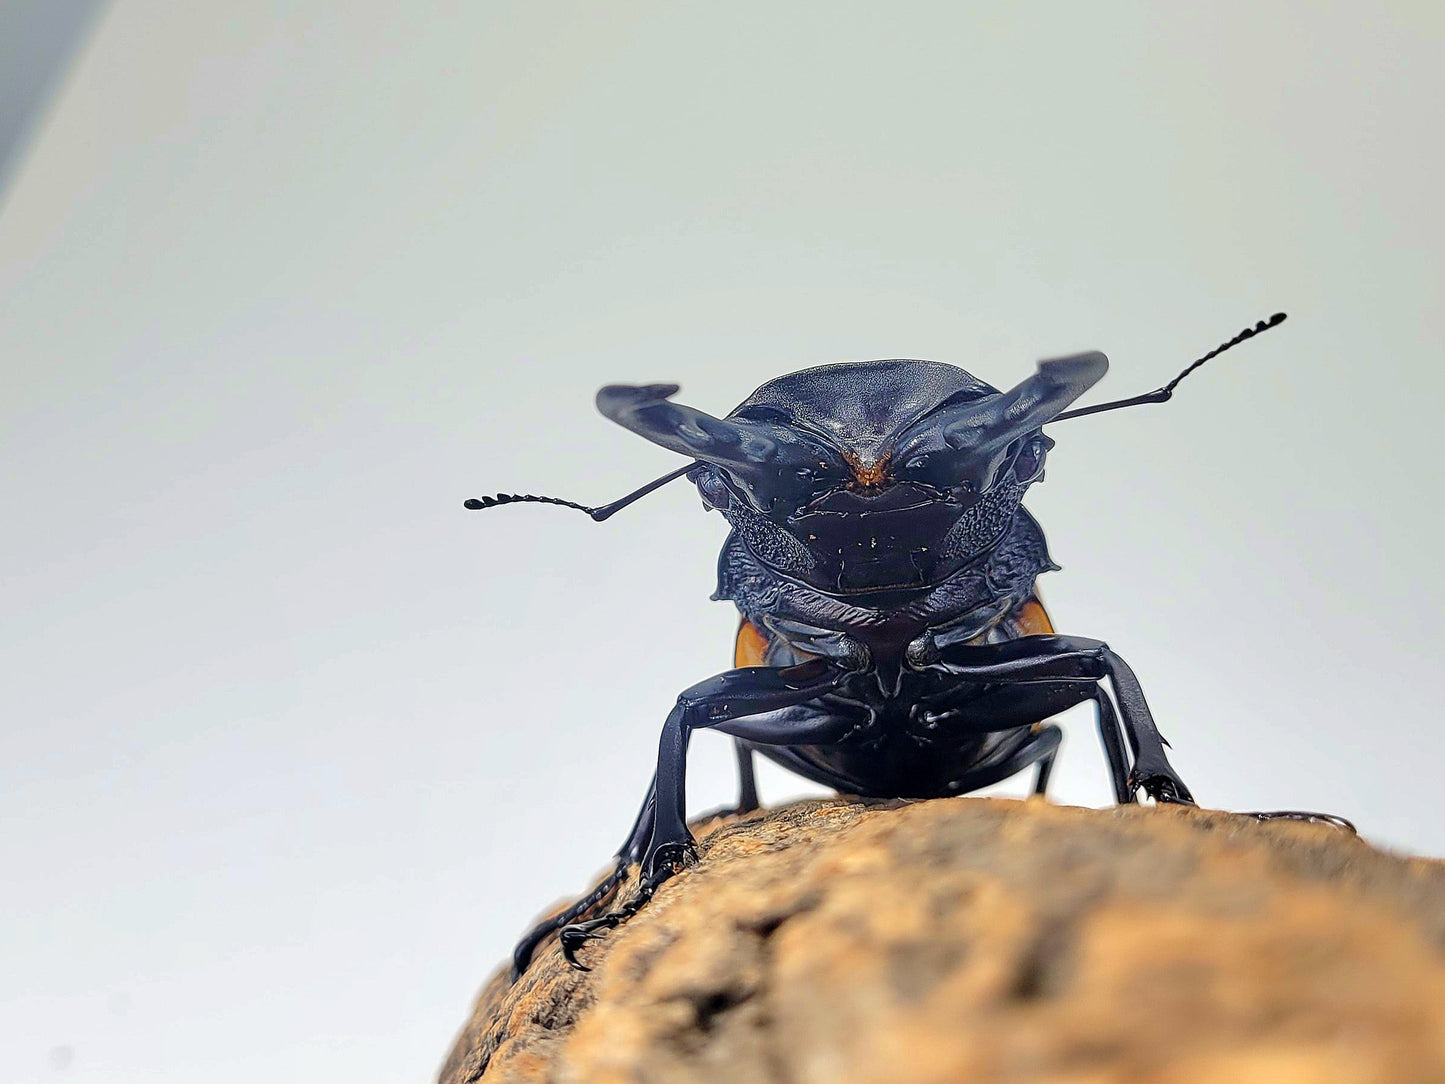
(1152, 771)
(746, 704)
(749, 703)
(1035, 658)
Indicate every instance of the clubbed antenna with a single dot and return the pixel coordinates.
(598, 514)
(1164, 394)
(520, 498)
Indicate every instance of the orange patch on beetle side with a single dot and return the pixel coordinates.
(1032, 620)
(751, 646)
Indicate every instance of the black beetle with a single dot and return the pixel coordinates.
(892, 643)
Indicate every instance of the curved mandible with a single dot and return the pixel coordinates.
(998, 420)
(646, 411)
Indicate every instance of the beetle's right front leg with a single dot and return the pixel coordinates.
(749, 703)
(746, 704)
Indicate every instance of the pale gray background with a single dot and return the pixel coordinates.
(294, 746)
(37, 40)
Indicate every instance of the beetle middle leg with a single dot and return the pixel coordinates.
(749, 703)
(1025, 702)
(747, 777)
(1040, 746)
(1046, 762)
(629, 852)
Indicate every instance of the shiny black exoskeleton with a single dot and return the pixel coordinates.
(884, 569)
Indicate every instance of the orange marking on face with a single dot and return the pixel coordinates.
(870, 475)
(751, 646)
(867, 474)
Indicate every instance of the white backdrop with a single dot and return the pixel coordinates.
(294, 747)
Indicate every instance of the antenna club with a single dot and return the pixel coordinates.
(1164, 394)
(597, 514)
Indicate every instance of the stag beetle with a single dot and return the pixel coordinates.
(892, 643)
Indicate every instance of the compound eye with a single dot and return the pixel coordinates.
(713, 491)
(1030, 461)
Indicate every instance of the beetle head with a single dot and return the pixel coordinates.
(869, 476)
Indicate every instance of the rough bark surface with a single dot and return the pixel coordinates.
(987, 940)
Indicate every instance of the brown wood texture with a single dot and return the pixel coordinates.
(985, 940)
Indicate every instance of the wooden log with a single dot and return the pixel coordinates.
(981, 940)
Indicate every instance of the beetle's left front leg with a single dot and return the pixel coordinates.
(1035, 658)
(749, 703)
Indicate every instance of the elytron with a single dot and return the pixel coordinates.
(892, 643)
